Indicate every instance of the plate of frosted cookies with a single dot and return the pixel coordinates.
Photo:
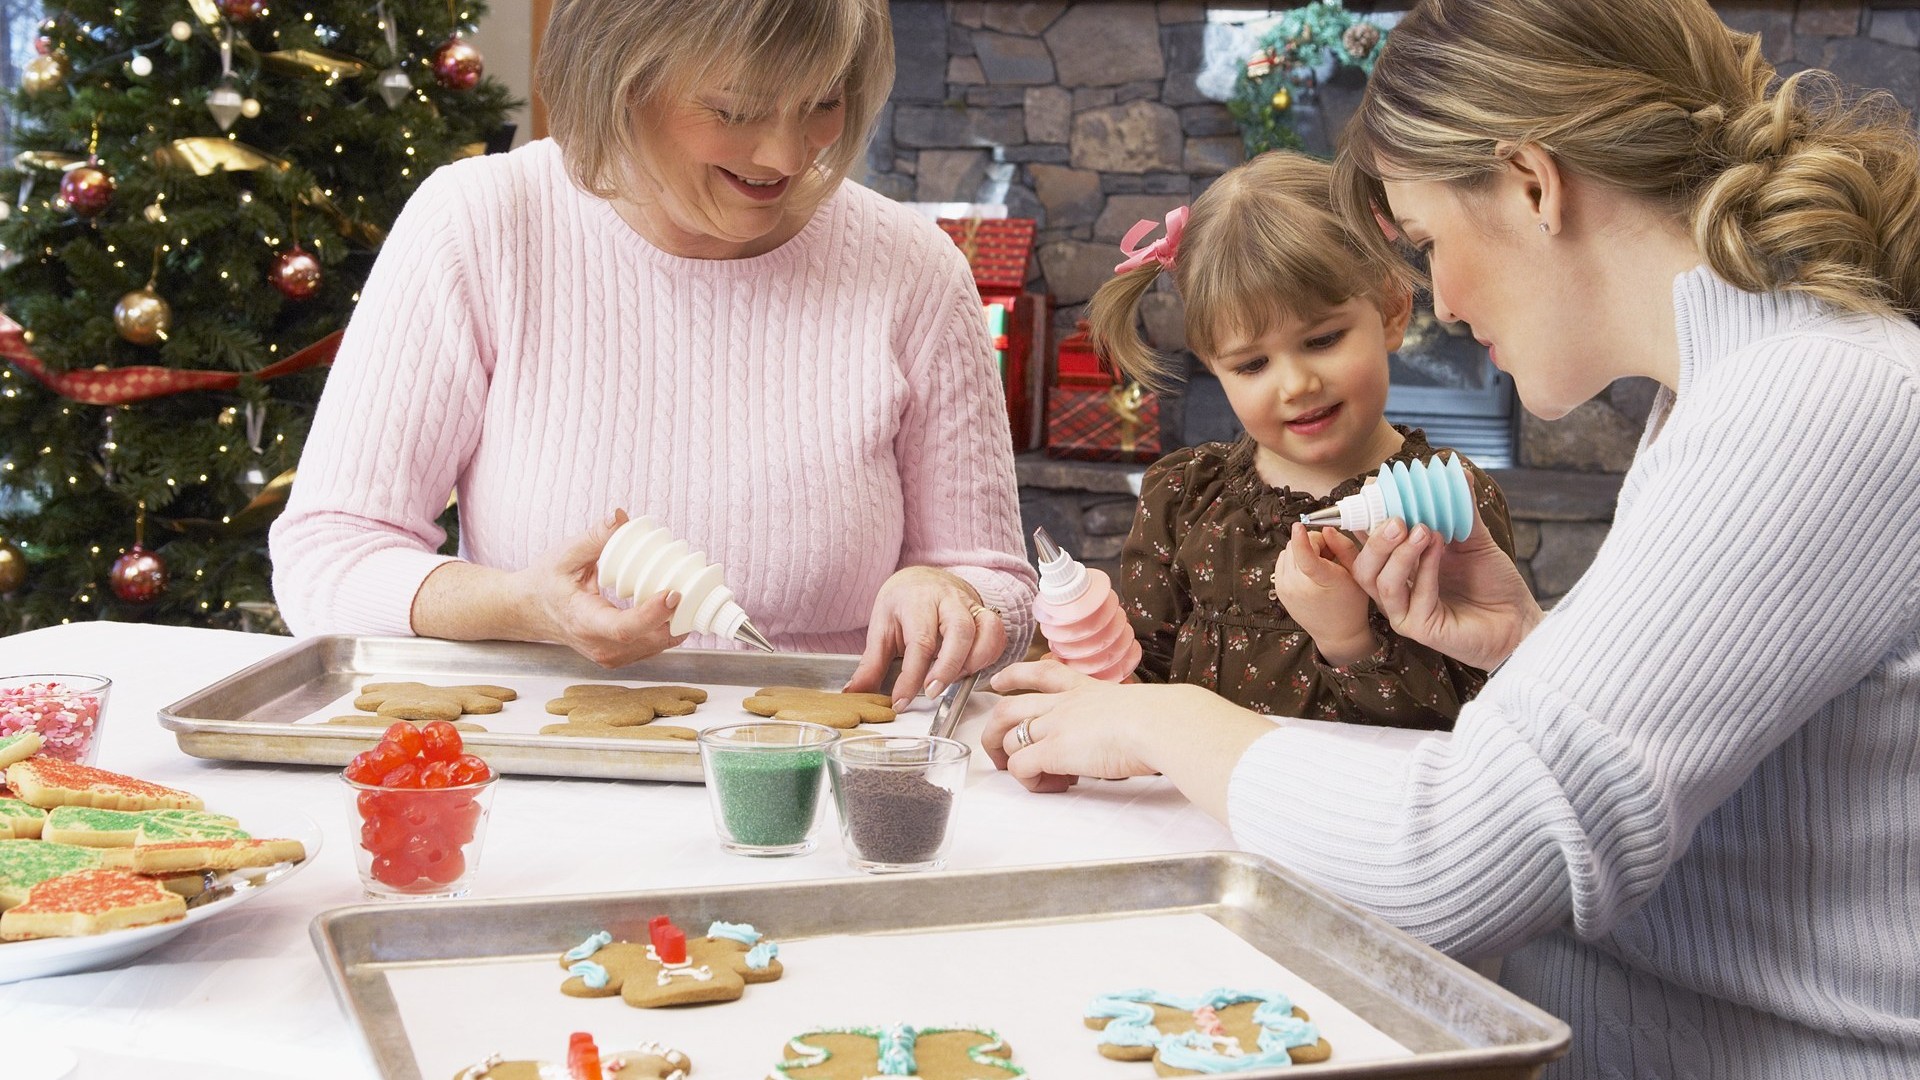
(97, 867)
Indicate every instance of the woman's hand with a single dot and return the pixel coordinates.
(1086, 725)
(935, 622)
(562, 590)
(1467, 599)
(1321, 595)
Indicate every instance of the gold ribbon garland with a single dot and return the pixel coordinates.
(1126, 402)
(206, 10)
(208, 154)
(50, 160)
(333, 65)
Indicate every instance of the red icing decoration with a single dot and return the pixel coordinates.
(673, 946)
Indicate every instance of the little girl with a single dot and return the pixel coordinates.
(1223, 586)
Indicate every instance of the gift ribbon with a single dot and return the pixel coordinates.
(1126, 402)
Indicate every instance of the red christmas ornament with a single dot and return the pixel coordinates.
(138, 577)
(88, 189)
(457, 65)
(296, 274)
(43, 44)
(241, 11)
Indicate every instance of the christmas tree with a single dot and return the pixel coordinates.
(201, 188)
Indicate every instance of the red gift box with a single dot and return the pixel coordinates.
(998, 251)
(1078, 364)
(1115, 422)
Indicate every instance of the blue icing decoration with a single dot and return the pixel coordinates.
(896, 1051)
(590, 973)
(761, 955)
(1130, 1013)
(744, 933)
(593, 944)
(1199, 1053)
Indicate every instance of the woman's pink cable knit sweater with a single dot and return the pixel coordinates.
(814, 418)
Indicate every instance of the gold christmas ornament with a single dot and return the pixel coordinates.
(250, 108)
(44, 73)
(143, 316)
(13, 567)
(1282, 100)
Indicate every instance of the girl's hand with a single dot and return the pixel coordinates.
(1466, 599)
(1321, 595)
(564, 604)
(1075, 725)
(936, 623)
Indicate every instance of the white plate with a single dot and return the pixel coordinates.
(61, 956)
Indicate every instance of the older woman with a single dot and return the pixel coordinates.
(680, 307)
(1685, 803)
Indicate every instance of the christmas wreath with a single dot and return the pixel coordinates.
(1283, 69)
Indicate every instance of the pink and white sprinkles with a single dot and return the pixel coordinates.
(66, 718)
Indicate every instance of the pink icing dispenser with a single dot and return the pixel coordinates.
(1080, 614)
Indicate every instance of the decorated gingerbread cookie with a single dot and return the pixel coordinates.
(669, 969)
(585, 1061)
(418, 701)
(1218, 1031)
(929, 1053)
(90, 826)
(832, 708)
(605, 705)
(90, 902)
(49, 782)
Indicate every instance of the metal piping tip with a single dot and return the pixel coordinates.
(1328, 516)
(1044, 546)
(752, 636)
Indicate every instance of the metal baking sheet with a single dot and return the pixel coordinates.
(250, 715)
(1454, 1022)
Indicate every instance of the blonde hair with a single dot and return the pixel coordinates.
(601, 59)
(1784, 184)
(1262, 245)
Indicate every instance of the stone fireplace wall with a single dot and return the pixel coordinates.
(1085, 116)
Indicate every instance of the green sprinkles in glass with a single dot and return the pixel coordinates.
(764, 780)
(769, 800)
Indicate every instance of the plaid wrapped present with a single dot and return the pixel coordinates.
(1120, 422)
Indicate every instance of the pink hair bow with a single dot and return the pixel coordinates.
(1161, 251)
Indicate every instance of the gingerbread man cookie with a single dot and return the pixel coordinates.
(657, 732)
(669, 969)
(833, 708)
(648, 1061)
(604, 705)
(1218, 1031)
(418, 701)
(899, 1050)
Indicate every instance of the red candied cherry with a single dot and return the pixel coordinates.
(382, 835)
(360, 770)
(440, 741)
(437, 774)
(405, 736)
(393, 870)
(402, 776)
(444, 866)
(469, 769)
(416, 813)
(386, 757)
(372, 804)
(460, 820)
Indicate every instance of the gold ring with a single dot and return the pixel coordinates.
(974, 611)
(1023, 734)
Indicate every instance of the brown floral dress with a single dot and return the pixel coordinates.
(1196, 582)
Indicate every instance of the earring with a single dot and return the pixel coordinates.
(1543, 227)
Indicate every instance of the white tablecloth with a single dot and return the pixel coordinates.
(244, 996)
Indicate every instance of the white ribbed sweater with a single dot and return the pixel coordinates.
(813, 418)
(1689, 799)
